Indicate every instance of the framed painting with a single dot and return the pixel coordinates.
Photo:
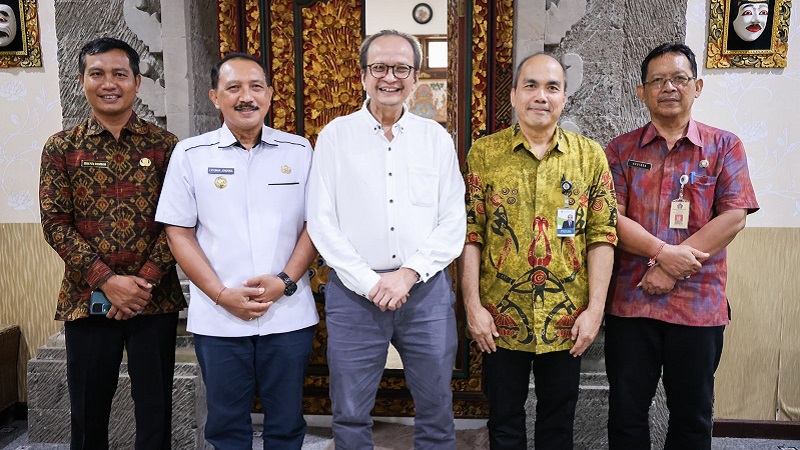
(748, 33)
(19, 34)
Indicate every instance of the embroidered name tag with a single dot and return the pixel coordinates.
(220, 170)
(639, 164)
(103, 164)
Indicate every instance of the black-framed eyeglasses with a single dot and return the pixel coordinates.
(678, 81)
(380, 70)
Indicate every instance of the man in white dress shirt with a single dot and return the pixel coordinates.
(385, 210)
(234, 205)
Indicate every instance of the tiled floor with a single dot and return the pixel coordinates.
(387, 437)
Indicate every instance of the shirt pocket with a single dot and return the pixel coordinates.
(701, 195)
(423, 186)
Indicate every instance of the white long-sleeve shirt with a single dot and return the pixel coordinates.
(375, 204)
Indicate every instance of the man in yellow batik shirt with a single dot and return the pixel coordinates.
(534, 289)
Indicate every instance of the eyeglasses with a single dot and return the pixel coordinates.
(677, 81)
(380, 70)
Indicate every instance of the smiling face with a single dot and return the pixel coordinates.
(8, 25)
(389, 92)
(109, 85)
(751, 20)
(539, 97)
(242, 95)
(668, 103)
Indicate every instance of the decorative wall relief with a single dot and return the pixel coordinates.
(19, 34)
(748, 33)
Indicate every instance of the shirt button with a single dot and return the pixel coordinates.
(394, 256)
(391, 201)
(390, 148)
(391, 229)
(390, 173)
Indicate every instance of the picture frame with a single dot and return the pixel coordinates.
(19, 34)
(422, 13)
(429, 99)
(748, 34)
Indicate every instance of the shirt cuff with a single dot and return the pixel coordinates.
(417, 264)
(98, 273)
(367, 283)
(151, 272)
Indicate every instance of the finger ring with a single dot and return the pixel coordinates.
(250, 318)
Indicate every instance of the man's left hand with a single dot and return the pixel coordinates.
(273, 286)
(657, 281)
(585, 330)
(391, 292)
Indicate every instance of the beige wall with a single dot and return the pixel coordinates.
(759, 367)
(30, 274)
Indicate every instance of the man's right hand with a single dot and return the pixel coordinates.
(482, 328)
(681, 261)
(238, 301)
(128, 295)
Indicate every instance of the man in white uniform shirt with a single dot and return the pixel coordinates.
(234, 205)
(385, 211)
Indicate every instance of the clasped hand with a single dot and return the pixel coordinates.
(254, 298)
(391, 291)
(675, 262)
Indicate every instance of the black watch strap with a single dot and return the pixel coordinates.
(291, 286)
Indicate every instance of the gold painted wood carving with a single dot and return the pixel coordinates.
(228, 26)
(19, 34)
(281, 51)
(252, 29)
(480, 66)
(331, 73)
(748, 34)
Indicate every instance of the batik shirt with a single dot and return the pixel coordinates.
(534, 283)
(98, 199)
(647, 178)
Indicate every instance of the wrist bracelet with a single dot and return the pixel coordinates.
(652, 261)
(216, 300)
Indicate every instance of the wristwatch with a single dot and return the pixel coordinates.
(291, 286)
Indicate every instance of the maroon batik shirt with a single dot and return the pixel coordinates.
(98, 198)
(647, 179)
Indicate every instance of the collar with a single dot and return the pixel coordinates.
(377, 127)
(134, 125)
(518, 141)
(227, 139)
(692, 134)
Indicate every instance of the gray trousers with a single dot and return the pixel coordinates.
(424, 333)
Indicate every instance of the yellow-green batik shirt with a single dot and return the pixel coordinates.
(534, 283)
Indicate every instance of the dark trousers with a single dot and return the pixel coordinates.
(234, 368)
(506, 379)
(636, 351)
(94, 352)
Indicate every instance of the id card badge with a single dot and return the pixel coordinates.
(679, 208)
(679, 214)
(565, 220)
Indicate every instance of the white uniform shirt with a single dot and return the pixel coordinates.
(248, 208)
(375, 204)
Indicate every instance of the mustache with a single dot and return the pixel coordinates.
(244, 106)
